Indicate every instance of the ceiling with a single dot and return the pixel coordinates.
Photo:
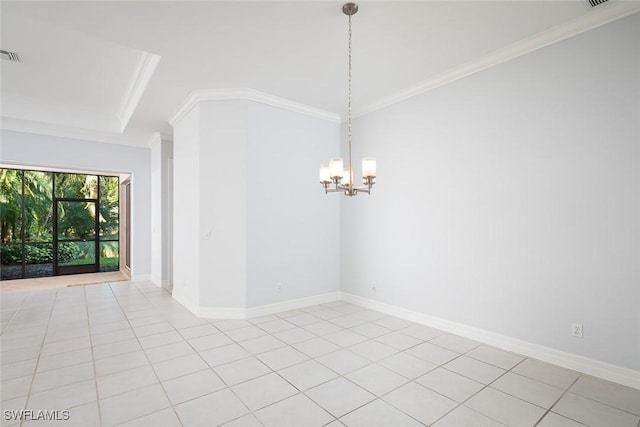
(117, 71)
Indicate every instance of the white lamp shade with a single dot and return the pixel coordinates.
(369, 167)
(324, 174)
(335, 167)
(346, 178)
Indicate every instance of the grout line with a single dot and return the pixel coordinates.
(149, 362)
(93, 360)
(556, 402)
(35, 370)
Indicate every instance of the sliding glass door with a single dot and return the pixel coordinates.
(54, 223)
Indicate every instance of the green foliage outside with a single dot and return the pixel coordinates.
(40, 254)
(76, 220)
(104, 262)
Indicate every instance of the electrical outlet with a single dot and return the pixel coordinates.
(576, 330)
(279, 287)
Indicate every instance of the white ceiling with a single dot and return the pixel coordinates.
(81, 61)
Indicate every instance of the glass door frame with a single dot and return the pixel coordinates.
(59, 270)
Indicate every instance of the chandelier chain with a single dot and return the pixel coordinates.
(349, 111)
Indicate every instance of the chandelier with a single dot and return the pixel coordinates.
(334, 173)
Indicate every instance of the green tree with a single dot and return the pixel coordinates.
(10, 205)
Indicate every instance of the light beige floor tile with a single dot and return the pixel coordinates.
(345, 338)
(297, 410)
(322, 328)
(133, 404)
(527, 389)
(398, 340)
(455, 343)
(248, 420)
(307, 374)
(192, 386)
(379, 414)
(179, 366)
(63, 376)
(163, 418)
(592, 413)
(15, 387)
(507, 409)
(493, 356)
(262, 344)
(211, 410)
(377, 379)
(64, 397)
(554, 420)
(419, 402)
(339, 396)
(169, 351)
(450, 384)
(246, 333)
(546, 373)
(281, 357)
(241, 370)
(124, 381)
(465, 417)
(263, 391)
(432, 353)
(224, 354)
(197, 331)
(316, 347)
(370, 330)
(474, 369)
(122, 362)
(407, 365)
(373, 350)
(343, 361)
(616, 395)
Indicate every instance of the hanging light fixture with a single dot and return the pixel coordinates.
(334, 173)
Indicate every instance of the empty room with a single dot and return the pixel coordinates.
(318, 213)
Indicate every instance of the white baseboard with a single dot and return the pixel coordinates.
(221, 313)
(596, 368)
(292, 304)
(208, 312)
(141, 278)
(185, 302)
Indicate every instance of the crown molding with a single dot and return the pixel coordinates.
(155, 138)
(249, 95)
(49, 129)
(144, 71)
(596, 17)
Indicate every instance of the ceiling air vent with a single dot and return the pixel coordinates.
(594, 3)
(11, 56)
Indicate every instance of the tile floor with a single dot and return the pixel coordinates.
(127, 354)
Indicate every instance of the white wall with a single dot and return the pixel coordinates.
(509, 200)
(293, 228)
(223, 203)
(186, 208)
(156, 210)
(48, 151)
(161, 151)
(246, 175)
